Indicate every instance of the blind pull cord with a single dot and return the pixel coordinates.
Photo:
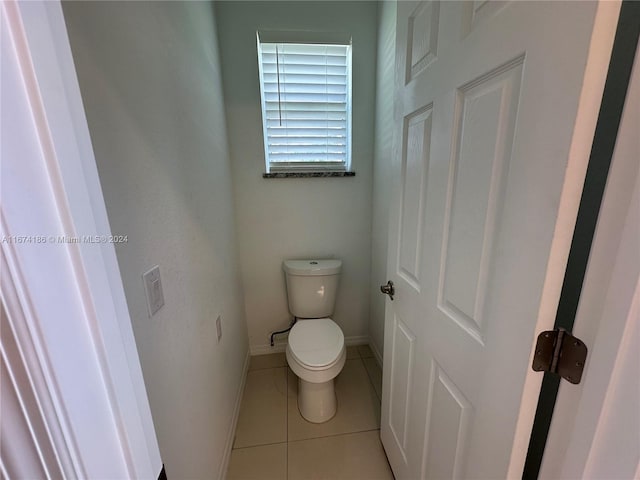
(278, 77)
(326, 105)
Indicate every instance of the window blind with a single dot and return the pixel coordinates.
(306, 105)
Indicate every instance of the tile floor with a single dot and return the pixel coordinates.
(273, 441)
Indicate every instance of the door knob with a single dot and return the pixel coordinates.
(388, 289)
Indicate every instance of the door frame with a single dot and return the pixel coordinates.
(101, 339)
(604, 140)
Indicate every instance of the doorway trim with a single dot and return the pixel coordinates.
(604, 141)
(79, 327)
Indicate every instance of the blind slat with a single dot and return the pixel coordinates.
(307, 157)
(307, 78)
(286, 97)
(314, 88)
(301, 140)
(289, 122)
(300, 149)
(271, 68)
(287, 60)
(305, 48)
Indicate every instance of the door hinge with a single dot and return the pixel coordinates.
(557, 351)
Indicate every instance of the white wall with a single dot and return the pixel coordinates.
(383, 150)
(298, 218)
(150, 81)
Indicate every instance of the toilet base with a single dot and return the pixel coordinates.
(317, 401)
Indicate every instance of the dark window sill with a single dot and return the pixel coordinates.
(308, 174)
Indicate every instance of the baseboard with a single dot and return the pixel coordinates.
(266, 349)
(224, 466)
(376, 353)
(282, 346)
(356, 340)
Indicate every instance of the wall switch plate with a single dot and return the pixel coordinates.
(219, 328)
(153, 289)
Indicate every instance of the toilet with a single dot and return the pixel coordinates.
(315, 351)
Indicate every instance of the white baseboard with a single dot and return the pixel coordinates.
(376, 353)
(224, 466)
(356, 340)
(282, 346)
(266, 349)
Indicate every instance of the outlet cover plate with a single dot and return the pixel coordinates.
(153, 290)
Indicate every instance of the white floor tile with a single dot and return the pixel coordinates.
(263, 413)
(266, 462)
(356, 456)
(358, 406)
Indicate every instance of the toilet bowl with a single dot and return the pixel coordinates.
(316, 354)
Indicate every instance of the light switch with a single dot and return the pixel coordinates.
(153, 289)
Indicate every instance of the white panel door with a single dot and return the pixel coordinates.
(487, 110)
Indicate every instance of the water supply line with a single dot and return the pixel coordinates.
(295, 319)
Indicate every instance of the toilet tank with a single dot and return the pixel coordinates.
(312, 286)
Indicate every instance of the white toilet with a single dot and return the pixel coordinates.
(316, 351)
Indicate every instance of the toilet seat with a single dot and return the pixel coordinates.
(316, 344)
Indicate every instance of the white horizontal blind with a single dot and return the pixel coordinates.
(305, 105)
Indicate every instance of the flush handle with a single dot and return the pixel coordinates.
(388, 289)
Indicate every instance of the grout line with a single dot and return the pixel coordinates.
(358, 359)
(286, 372)
(259, 445)
(335, 435)
(286, 455)
(265, 368)
(371, 380)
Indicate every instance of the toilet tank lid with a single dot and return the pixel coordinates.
(312, 267)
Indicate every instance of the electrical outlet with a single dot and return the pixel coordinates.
(219, 328)
(153, 290)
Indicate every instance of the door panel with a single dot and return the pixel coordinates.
(448, 419)
(401, 378)
(415, 165)
(478, 11)
(485, 113)
(423, 32)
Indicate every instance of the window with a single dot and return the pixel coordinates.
(306, 105)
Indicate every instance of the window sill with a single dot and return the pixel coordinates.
(308, 174)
